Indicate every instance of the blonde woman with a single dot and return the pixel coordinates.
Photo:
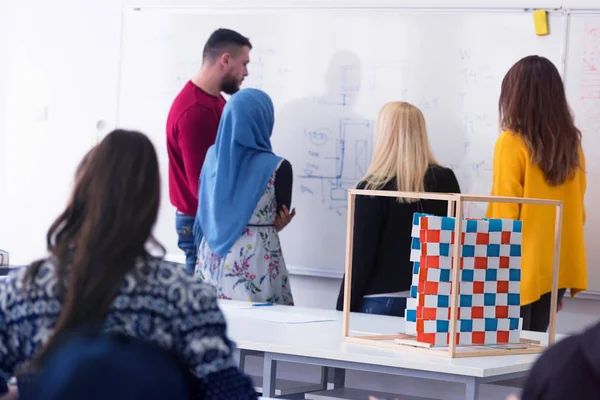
(403, 160)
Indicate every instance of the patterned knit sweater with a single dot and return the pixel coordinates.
(158, 302)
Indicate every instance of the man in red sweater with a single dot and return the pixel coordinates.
(193, 122)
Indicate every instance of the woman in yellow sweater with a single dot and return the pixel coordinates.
(539, 155)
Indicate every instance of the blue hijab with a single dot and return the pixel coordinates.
(236, 170)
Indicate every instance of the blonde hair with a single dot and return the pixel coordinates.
(402, 150)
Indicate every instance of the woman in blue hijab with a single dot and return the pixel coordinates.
(244, 196)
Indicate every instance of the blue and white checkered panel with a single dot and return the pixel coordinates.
(433, 300)
(468, 263)
(416, 224)
(509, 225)
(514, 311)
(415, 257)
(442, 314)
(514, 335)
(514, 287)
(433, 275)
(445, 288)
(487, 324)
(466, 338)
(436, 326)
(411, 316)
(465, 287)
(489, 286)
(464, 325)
(489, 311)
(495, 237)
(445, 263)
(448, 223)
(446, 237)
(465, 312)
(516, 238)
(515, 263)
(514, 275)
(434, 223)
(472, 275)
(501, 274)
(415, 281)
(415, 250)
(410, 327)
(470, 239)
(439, 275)
(431, 249)
(500, 299)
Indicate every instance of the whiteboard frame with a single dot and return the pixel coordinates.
(337, 5)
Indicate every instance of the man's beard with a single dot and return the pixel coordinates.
(230, 85)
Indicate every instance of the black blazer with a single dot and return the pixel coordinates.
(382, 237)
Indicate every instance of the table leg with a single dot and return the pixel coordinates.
(237, 358)
(241, 362)
(472, 389)
(324, 377)
(269, 375)
(339, 378)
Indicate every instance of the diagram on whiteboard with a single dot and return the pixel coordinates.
(337, 138)
(590, 84)
(337, 160)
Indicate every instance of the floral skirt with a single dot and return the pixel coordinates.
(253, 270)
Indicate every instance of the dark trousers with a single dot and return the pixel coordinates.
(394, 306)
(536, 315)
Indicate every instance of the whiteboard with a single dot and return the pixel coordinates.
(329, 71)
(583, 89)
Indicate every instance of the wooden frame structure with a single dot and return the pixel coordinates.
(455, 209)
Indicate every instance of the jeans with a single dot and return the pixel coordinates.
(185, 231)
(394, 306)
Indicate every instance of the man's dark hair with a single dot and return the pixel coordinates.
(221, 41)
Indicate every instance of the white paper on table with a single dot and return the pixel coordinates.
(226, 306)
(281, 317)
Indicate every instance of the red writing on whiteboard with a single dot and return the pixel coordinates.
(590, 80)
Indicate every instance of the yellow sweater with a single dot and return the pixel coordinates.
(515, 175)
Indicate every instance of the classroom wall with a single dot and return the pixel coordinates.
(4, 21)
(59, 65)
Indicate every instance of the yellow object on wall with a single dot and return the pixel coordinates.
(540, 20)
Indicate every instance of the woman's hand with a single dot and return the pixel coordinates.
(560, 305)
(283, 218)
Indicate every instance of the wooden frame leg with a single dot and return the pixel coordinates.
(348, 272)
(555, 272)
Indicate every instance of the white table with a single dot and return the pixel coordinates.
(321, 344)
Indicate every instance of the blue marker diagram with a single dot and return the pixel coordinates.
(339, 152)
(336, 161)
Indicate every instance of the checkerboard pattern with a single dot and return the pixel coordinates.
(489, 287)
